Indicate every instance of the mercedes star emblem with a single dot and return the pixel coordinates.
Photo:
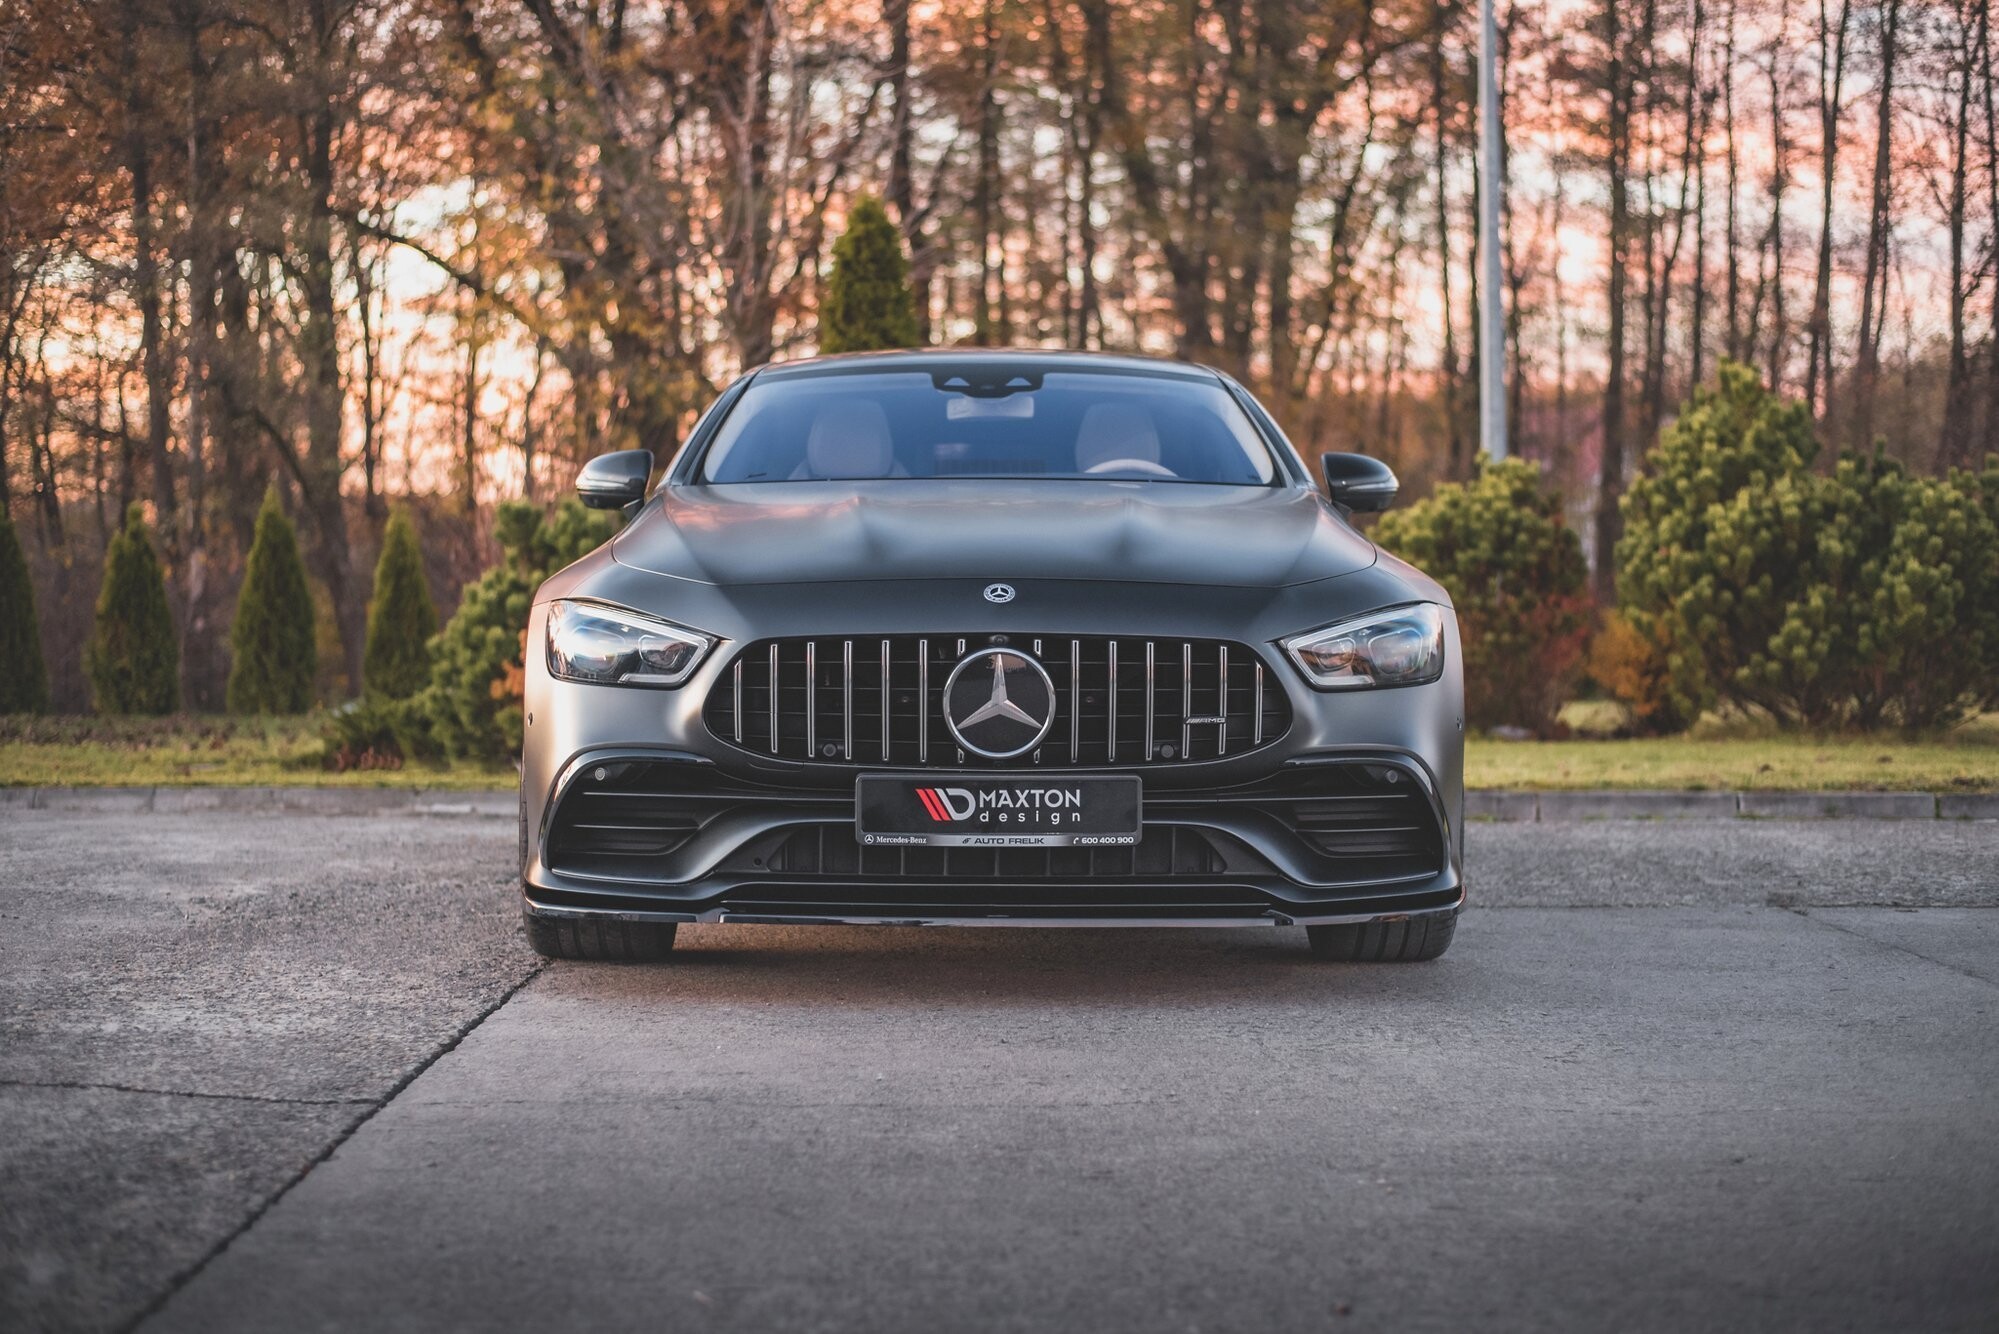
(999, 703)
(999, 593)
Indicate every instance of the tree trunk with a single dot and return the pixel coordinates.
(319, 352)
(1867, 369)
(985, 200)
(1832, 79)
(138, 149)
(1780, 180)
(1457, 449)
(1985, 79)
(1954, 446)
(1609, 524)
(1733, 244)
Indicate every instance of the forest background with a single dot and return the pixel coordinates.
(436, 253)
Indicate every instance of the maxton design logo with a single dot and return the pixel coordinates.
(944, 803)
(1034, 805)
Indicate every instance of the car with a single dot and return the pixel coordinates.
(991, 638)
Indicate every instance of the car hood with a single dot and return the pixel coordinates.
(792, 532)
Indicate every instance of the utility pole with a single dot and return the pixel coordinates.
(1491, 312)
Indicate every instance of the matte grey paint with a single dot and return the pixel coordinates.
(907, 557)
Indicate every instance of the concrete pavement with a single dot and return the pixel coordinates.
(1671, 1074)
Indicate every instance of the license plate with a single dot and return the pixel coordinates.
(966, 812)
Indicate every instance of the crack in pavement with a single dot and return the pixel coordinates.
(193, 1271)
(88, 1087)
(1889, 944)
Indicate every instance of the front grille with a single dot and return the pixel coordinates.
(879, 702)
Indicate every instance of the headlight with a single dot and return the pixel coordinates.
(605, 645)
(1403, 646)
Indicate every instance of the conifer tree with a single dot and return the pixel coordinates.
(401, 617)
(275, 656)
(132, 660)
(24, 677)
(868, 304)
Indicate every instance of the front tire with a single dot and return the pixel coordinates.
(1401, 940)
(599, 940)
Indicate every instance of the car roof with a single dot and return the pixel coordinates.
(930, 359)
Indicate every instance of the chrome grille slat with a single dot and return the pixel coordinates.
(1075, 700)
(770, 683)
(1110, 748)
(1256, 708)
(1219, 683)
(1222, 663)
(1150, 676)
(1186, 700)
(812, 698)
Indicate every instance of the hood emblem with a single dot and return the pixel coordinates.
(1001, 593)
(999, 703)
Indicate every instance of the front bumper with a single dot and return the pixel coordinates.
(649, 834)
(1256, 867)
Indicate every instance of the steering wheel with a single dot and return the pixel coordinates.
(1143, 467)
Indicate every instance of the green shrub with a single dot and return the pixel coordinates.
(1894, 626)
(1855, 598)
(1713, 534)
(867, 304)
(401, 617)
(1515, 572)
(472, 706)
(24, 677)
(376, 732)
(131, 658)
(274, 656)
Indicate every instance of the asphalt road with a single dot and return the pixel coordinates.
(262, 1072)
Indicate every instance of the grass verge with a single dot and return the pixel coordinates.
(286, 752)
(200, 751)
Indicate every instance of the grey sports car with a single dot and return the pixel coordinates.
(991, 638)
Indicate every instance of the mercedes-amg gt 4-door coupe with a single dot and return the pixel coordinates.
(956, 638)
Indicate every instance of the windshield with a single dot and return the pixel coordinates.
(981, 419)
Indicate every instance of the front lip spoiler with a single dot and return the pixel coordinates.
(1268, 917)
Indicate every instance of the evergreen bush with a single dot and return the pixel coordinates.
(401, 617)
(24, 677)
(868, 304)
(1860, 597)
(131, 659)
(1713, 534)
(472, 707)
(1516, 574)
(272, 639)
(1900, 577)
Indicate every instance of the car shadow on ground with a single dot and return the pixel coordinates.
(868, 966)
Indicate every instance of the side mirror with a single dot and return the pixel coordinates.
(1359, 482)
(613, 481)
